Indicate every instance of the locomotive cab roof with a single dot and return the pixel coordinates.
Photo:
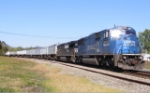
(68, 43)
(125, 30)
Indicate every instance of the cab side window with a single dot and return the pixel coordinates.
(97, 36)
(106, 34)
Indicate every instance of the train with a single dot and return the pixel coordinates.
(117, 47)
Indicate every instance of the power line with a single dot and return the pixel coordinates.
(37, 36)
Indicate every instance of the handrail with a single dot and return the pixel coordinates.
(116, 47)
(120, 47)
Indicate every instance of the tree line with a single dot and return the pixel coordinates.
(145, 40)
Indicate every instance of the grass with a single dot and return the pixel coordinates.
(24, 76)
(147, 65)
(18, 76)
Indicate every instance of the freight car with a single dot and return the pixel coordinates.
(43, 53)
(115, 47)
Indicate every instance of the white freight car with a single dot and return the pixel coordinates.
(22, 52)
(52, 50)
(28, 52)
(33, 52)
(8, 53)
(37, 51)
(15, 53)
(43, 51)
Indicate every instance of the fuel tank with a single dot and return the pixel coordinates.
(92, 61)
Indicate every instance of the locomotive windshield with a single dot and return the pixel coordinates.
(122, 31)
(129, 31)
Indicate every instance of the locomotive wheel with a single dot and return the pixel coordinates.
(111, 63)
(103, 63)
(49, 58)
(100, 62)
(58, 58)
(80, 60)
(77, 60)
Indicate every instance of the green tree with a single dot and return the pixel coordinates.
(0, 45)
(19, 48)
(145, 39)
(3, 48)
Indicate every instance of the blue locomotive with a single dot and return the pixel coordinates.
(115, 47)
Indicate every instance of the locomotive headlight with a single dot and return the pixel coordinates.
(141, 58)
(124, 57)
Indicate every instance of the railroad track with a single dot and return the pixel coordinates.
(110, 73)
(141, 74)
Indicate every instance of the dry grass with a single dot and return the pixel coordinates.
(17, 76)
(23, 76)
(68, 83)
(9, 83)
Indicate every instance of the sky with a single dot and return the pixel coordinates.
(46, 22)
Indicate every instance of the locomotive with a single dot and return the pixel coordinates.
(115, 47)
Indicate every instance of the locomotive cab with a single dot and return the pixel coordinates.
(126, 48)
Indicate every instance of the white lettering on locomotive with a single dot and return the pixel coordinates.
(129, 43)
(106, 43)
